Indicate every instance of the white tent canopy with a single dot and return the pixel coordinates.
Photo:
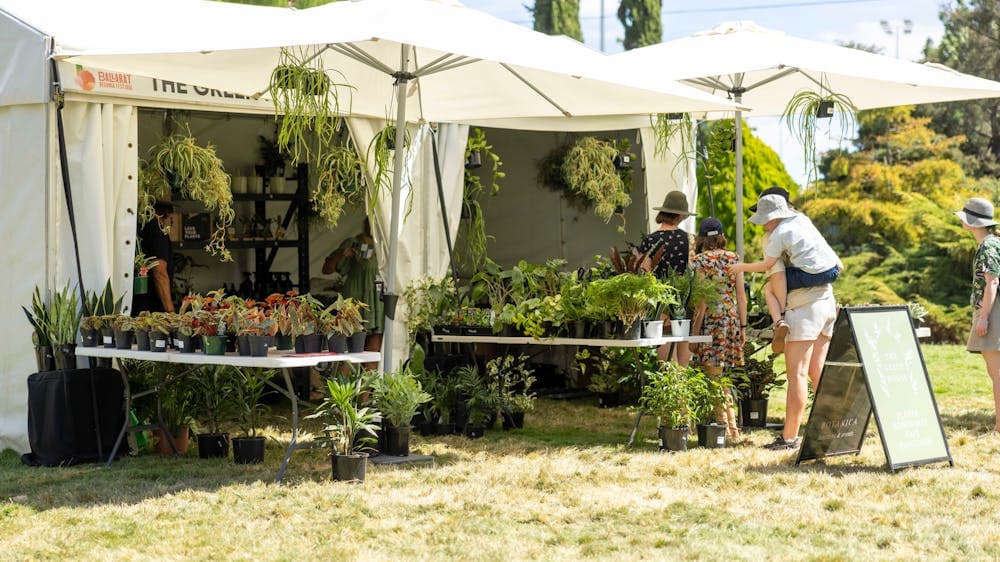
(764, 69)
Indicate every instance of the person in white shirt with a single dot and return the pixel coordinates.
(810, 312)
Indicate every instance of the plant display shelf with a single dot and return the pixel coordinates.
(589, 342)
(266, 250)
(284, 361)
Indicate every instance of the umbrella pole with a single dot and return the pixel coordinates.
(397, 179)
(739, 177)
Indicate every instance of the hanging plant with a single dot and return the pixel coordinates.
(802, 113)
(719, 138)
(380, 154)
(589, 172)
(152, 187)
(341, 180)
(669, 126)
(306, 102)
(473, 229)
(177, 162)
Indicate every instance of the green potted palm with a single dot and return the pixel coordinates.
(398, 395)
(248, 388)
(348, 426)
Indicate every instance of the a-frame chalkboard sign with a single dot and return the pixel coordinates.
(875, 366)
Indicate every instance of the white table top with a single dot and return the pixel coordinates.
(767, 333)
(274, 359)
(643, 342)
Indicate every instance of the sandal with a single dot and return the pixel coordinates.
(780, 333)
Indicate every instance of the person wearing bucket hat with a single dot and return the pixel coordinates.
(804, 332)
(984, 337)
(673, 246)
(726, 320)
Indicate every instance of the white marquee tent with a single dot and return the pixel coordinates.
(462, 66)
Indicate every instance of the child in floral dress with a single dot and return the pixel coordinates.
(724, 320)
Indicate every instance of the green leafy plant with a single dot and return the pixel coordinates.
(482, 397)
(692, 290)
(473, 228)
(630, 297)
(348, 423)
(802, 114)
(57, 322)
(708, 397)
(670, 126)
(247, 391)
(670, 394)
(589, 172)
(756, 378)
(515, 380)
(398, 395)
(179, 162)
(307, 102)
(341, 181)
(105, 303)
(213, 388)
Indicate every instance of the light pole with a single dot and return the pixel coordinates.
(897, 29)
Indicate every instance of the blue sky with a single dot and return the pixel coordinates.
(820, 20)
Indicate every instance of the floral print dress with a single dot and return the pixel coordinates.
(722, 320)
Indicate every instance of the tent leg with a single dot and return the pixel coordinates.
(402, 77)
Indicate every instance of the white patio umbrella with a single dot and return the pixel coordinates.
(764, 69)
(448, 63)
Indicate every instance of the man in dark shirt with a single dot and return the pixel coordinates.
(155, 243)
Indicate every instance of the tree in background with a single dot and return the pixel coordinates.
(762, 168)
(641, 19)
(558, 17)
(971, 44)
(887, 210)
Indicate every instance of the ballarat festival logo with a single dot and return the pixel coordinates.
(105, 79)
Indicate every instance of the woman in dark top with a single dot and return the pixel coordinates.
(669, 236)
(676, 254)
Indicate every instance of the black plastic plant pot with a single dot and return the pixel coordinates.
(140, 284)
(185, 344)
(478, 330)
(623, 161)
(283, 342)
(45, 358)
(825, 109)
(633, 332)
(90, 337)
(213, 445)
(427, 428)
(231, 342)
(64, 356)
(123, 339)
(312, 343)
(712, 435)
(158, 341)
(258, 345)
(213, 345)
(475, 431)
(673, 438)
(513, 420)
(397, 441)
(444, 428)
(108, 337)
(248, 450)
(337, 344)
(753, 413)
(349, 468)
(142, 340)
(356, 343)
(608, 399)
(475, 160)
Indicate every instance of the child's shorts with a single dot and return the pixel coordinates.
(795, 278)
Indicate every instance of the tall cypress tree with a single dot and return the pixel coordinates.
(642, 22)
(558, 17)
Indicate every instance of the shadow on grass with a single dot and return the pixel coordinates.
(978, 421)
(828, 467)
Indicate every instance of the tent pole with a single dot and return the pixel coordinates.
(739, 175)
(444, 211)
(402, 77)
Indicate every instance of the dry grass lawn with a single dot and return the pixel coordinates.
(563, 488)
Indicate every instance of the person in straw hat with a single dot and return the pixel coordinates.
(676, 245)
(811, 310)
(984, 338)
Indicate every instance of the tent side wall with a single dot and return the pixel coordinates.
(24, 73)
(24, 151)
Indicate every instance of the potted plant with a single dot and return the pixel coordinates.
(398, 395)
(90, 330)
(444, 394)
(210, 326)
(39, 319)
(160, 325)
(124, 330)
(603, 382)
(301, 318)
(143, 263)
(668, 395)
(248, 388)
(350, 322)
(178, 162)
(754, 382)
(917, 313)
(482, 399)
(630, 297)
(185, 330)
(341, 180)
(692, 290)
(588, 171)
(515, 381)
(214, 403)
(347, 422)
(141, 326)
(709, 398)
(177, 407)
(802, 115)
